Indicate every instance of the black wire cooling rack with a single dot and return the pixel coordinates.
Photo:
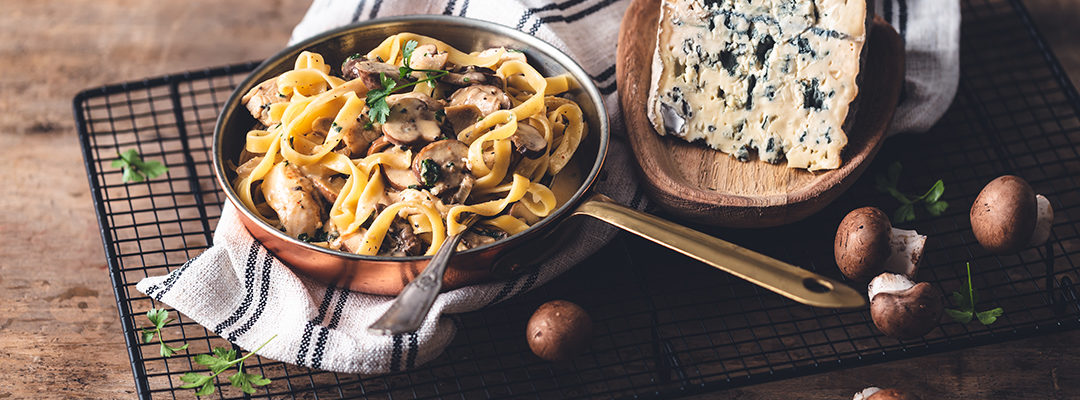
(664, 325)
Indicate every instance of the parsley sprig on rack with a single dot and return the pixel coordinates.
(160, 318)
(931, 199)
(222, 360)
(135, 169)
(966, 306)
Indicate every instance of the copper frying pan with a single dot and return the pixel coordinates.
(388, 275)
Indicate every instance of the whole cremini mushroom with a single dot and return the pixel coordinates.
(873, 393)
(558, 330)
(903, 309)
(1008, 216)
(866, 245)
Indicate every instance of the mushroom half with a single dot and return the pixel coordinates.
(903, 309)
(866, 245)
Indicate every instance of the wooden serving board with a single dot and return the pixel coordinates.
(707, 186)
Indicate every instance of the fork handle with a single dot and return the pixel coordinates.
(413, 303)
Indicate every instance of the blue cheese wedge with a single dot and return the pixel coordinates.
(773, 78)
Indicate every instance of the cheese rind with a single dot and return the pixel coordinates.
(772, 77)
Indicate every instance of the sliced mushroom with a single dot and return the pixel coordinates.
(358, 137)
(866, 245)
(379, 144)
(427, 56)
(462, 116)
(400, 241)
(398, 178)
(903, 309)
(292, 197)
(368, 71)
(1007, 216)
(412, 119)
(326, 182)
(442, 166)
(473, 75)
(259, 99)
(486, 98)
(477, 237)
(528, 141)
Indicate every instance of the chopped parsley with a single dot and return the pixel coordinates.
(429, 172)
(378, 109)
(135, 169)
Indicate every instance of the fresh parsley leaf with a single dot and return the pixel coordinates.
(222, 360)
(965, 304)
(135, 169)
(429, 172)
(378, 109)
(888, 182)
(159, 318)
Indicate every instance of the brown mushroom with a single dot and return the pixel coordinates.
(874, 393)
(412, 119)
(473, 75)
(427, 56)
(528, 141)
(903, 309)
(866, 245)
(1008, 216)
(368, 71)
(442, 166)
(486, 98)
(398, 178)
(558, 330)
(379, 144)
(462, 116)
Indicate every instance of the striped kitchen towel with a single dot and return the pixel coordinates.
(241, 292)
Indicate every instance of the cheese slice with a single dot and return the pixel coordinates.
(768, 77)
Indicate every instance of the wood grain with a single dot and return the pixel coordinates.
(60, 335)
(707, 186)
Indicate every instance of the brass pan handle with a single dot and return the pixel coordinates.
(788, 280)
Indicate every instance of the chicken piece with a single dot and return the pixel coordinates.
(259, 99)
(292, 197)
(358, 137)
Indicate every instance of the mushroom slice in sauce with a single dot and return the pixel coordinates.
(441, 166)
(412, 119)
(427, 56)
(473, 75)
(400, 241)
(379, 144)
(477, 237)
(292, 197)
(259, 99)
(528, 141)
(359, 137)
(486, 98)
(368, 71)
(462, 116)
(398, 178)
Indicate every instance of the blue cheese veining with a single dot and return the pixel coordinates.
(768, 77)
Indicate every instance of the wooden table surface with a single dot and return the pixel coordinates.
(60, 335)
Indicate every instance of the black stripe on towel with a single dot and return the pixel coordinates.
(249, 289)
(887, 11)
(506, 289)
(903, 19)
(395, 354)
(335, 317)
(306, 338)
(169, 280)
(561, 6)
(464, 7)
(264, 294)
(359, 10)
(603, 76)
(375, 9)
(449, 10)
(410, 361)
(573, 17)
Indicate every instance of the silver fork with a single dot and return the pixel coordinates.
(415, 300)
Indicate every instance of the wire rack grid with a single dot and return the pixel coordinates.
(664, 325)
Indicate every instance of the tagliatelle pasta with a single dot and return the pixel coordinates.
(389, 157)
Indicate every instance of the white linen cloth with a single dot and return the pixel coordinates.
(241, 292)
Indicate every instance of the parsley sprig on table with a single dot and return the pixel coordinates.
(931, 199)
(222, 360)
(135, 169)
(378, 109)
(966, 306)
(160, 318)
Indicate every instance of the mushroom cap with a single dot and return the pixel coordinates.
(862, 243)
(903, 309)
(558, 330)
(1003, 215)
(412, 119)
(528, 141)
(449, 157)
(892, 394)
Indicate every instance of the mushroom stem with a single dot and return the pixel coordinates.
(1043, 222)
(907, 250)
(866, 393)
